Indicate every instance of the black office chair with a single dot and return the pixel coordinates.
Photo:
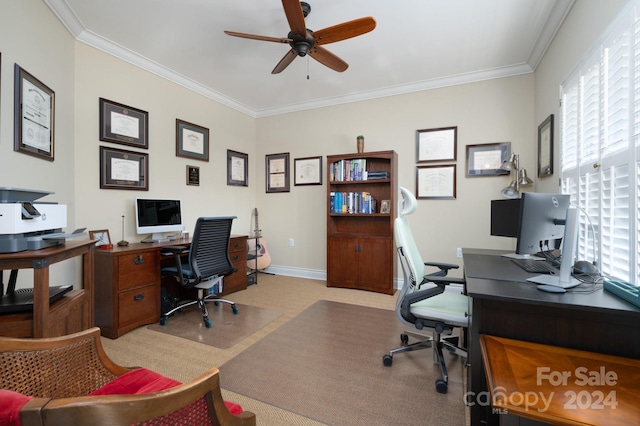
(208, 263)
(426, 300)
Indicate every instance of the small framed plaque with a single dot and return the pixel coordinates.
(193, 175)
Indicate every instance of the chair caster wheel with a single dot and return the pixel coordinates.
(216, 303)
(441, 386)
(387, 360)
(234, 308)
(163, 321)
(207, 323)
(404, 338)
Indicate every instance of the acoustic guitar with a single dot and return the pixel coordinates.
(258, 246)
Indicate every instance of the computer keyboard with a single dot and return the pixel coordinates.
(534, 266)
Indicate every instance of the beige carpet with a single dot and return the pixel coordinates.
(227, 328)
(326, 364)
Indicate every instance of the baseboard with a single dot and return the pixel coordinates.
(312, 274)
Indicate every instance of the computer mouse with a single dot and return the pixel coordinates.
(584, 267)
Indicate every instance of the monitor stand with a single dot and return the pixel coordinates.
(569, 240)
(156, 237)
(522, 256)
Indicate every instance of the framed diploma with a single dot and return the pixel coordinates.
(545, 147)
(436, 182)
(237, 168)
(34, 108)
(437, 144)
(120, 169)
(277, 169)
(193, 175)
(123, 124)
(307, 171)
(192, 141)
(486, 159)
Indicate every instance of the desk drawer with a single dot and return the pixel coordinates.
(237, 245)
(135, 270)
(138, 306)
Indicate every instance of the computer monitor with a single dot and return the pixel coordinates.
(157, 216)
(541, 222)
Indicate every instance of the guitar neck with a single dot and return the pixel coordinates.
(257, 232)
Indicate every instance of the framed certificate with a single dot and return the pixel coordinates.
(123, 124)
(277, 169)
(545, 147)
(237, 168)
(120, 169)
(307, 171)
(192, 141)
(34, 108)
(437, 144)
(486, 159)
(436, 182)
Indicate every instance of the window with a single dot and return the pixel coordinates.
(599, 148)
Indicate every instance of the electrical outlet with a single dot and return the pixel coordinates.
(291, 242)
(459, 252)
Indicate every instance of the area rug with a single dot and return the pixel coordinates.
(326, 364)
(227, 328)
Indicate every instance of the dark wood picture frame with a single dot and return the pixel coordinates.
(277, 172)
(237, 168)
(436, 182)
(34, 116)
(100, 234)
(192, 141)
(121, 169)
(439, 144)
(307, 171)
(545, 147)
(193, 175)
(486, 159)
(123, 124)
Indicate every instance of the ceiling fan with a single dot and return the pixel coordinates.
(304, 41)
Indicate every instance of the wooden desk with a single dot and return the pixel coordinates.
(128, 283)
(73, 313)
(561, 386)
(597, 322)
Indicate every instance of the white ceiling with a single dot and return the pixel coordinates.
(416, 45)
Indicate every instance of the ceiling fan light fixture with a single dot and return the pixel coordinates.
(301, 48)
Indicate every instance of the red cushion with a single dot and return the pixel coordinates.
(141, 381)
(10, 405)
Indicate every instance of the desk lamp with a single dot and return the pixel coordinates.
(513, 190)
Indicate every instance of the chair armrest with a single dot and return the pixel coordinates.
(443, 280)
(442, 266)
(166, 250)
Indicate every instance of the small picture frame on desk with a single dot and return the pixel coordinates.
(103, 239)
(385, 207)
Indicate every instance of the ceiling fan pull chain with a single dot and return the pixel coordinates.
(307, 68)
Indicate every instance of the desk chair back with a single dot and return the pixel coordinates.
(209, 254)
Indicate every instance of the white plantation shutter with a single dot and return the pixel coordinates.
(599, 146)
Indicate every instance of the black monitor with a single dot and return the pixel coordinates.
(504, 217)
(541, 223)
(157, 216)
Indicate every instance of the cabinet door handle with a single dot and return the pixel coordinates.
(236, 257)
(138, 297)
(139, 260)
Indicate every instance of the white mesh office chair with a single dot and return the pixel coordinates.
(426, 301)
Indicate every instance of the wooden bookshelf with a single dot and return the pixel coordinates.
(360, 249)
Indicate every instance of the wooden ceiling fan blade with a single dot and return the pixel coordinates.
(293, 10)
(259, 37)
(344, 31)
(328, 59)
(285, 61)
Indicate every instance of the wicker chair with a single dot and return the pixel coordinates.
(60, 372)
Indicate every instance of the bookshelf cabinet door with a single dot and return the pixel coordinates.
(342, 256)
(375, 270)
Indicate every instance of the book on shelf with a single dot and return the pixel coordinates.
(347, 170)
(352, 203)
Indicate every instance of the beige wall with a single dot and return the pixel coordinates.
(492, 111)
(587, 20)
(502, 110)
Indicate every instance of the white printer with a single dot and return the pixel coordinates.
(25, 225)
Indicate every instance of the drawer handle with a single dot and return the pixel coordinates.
(138, 297)
(236, 257)
(236, 245)
(139, 260)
